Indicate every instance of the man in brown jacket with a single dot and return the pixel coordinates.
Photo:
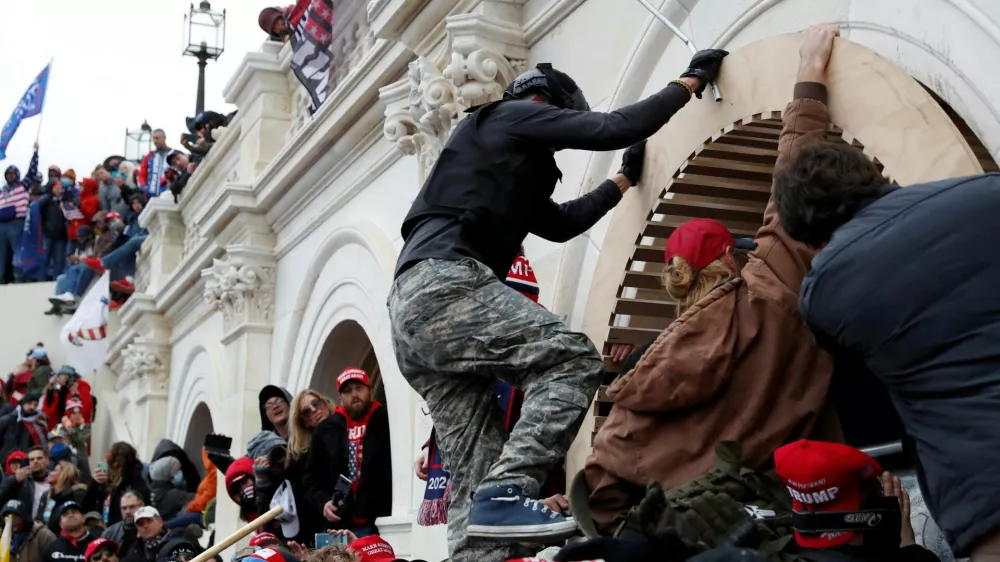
(29, 538)
(738, 365)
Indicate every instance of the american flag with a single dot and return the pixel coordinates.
(312, 22)
(70, 212)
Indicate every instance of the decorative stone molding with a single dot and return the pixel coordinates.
(192, 239)
(146, 361)
(242, 288)
(486, 53)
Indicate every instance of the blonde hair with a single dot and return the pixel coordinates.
(688, 286)
(299, 435)
(333, 553)
(69, 477)
(127, 168)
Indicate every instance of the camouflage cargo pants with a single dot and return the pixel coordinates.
(456, 328)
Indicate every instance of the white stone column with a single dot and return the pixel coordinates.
(241, 287)
(163, 250)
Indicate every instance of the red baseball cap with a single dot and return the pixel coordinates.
(264, 539)
(373, 548)
(824, 476)
(352, 374)
(699, 242)
(96, 545)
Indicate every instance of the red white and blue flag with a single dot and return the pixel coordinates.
(85, 336)
(30, 105)
(311, 22)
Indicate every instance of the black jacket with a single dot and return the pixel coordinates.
(14, 436)
(53, 221)
(76, 494)
(908, 288)
(169, 501)
(97, 494)
(497, 173)
(66, 550)
(328, 459)
(912, 553)
(173, 540)
(11, 489)
(267, 483)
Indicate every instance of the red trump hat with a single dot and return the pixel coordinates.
(824, 476)
(373, 549)
(699, 242)
(352, 374)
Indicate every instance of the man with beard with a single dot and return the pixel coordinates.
(28, 483)
(274, 408)
(124, 531)
(353, 443)
(72, 543)
(24, 428)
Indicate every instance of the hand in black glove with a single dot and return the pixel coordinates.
(632, 162)
(705, 65)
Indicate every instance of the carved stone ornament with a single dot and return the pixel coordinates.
(192, 239)
(244, 293)
(144, 361)
(436, 98)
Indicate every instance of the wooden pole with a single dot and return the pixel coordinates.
(246, 530)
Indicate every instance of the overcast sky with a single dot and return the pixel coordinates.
(117, 62)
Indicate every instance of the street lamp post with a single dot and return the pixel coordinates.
(205, 40)
(138, 142)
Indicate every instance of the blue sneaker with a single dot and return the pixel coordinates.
(505, 513)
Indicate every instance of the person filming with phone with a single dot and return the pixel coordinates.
(350, 464)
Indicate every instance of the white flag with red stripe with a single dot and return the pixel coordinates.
(85, 336)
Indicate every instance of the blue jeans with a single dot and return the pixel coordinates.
(10, 237)
(55, 259)
(121, 262)
(76, 280)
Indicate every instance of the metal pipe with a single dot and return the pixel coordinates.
(884, 450)
(680, 35)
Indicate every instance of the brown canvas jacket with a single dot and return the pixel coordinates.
(739, 365)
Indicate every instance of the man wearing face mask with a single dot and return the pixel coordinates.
(166, 484)
(240, 483)
(491, 186)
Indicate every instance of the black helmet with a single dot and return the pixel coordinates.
(558, 87)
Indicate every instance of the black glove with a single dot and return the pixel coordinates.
(632, 162)
(705, 64)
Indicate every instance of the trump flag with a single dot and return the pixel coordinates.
(85, 336)
(29, 106)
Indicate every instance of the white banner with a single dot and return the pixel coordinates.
(85, 336)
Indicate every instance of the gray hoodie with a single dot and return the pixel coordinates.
(112, 200)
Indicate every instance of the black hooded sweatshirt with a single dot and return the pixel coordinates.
(267, 393)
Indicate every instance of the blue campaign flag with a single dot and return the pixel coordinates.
(29, 106)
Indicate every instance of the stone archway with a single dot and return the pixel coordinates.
(198, 427)
(895, 118)
(347, 346)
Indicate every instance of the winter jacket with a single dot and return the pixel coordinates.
(16, 436)
(268, 392)
(13, 198)
(172, 540)
(51, 504)
(151, 170)
(207, 488)
(328, 458)
(112, 199)
(742, 349)
(124, 535)
(34, 546)
(65, 549)
(267, 483)
(89, 204)
(11, 489)
(168, 499)
(494, 180)
(908, 288)
(40, 379)
(166, 448)
(54, 224)
(109, 498)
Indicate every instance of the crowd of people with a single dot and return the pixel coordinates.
(67, 229)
